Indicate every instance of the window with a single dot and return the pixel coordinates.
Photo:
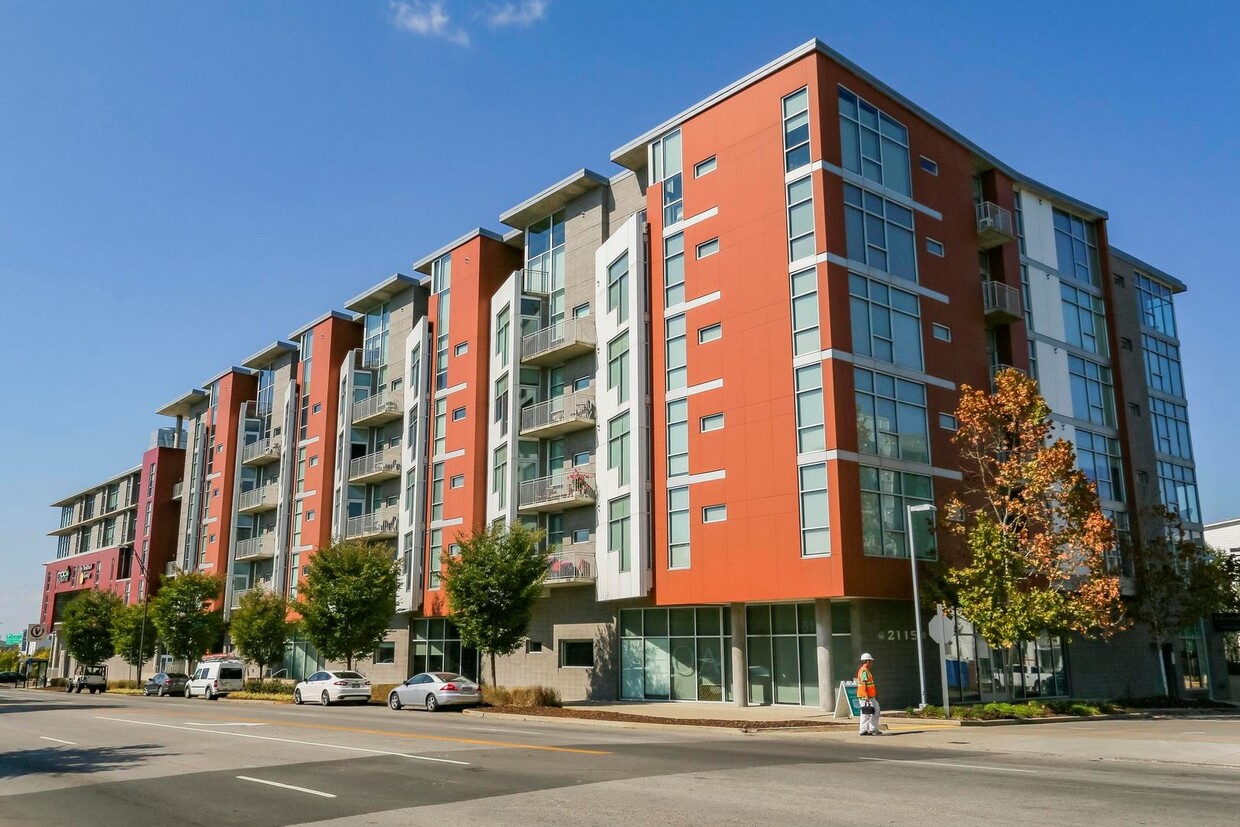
(533, 647)
(618, 447)
(705, 167)
(1084, 319)
(713, 422)
(666, 163)
(1093, 396)
(891, 416)
(437, 491)
(1098, 456)
(499, 485)
(314, 461)
(618, 366)
(1178, 486)
(935, 248)
(433, 572)
(801, 219)
(501, 404)
(458, 481)
(714, 513)
(1125, 343)
(709, 333)
(947, 421)
(581, 535)
(581, 383)
(796, 130)
(879, 233)
(872, 144)
(885, 496)
(1076, 247)
(439, 442)
(581, 458)
(941, 332)
(109, 532)
(928, 165)
(1155, 303)
(386, 653)
(458, 414)
(1162, 365)
(502, 324)
(1170, 423)
(617, 289)
(708, 248)
(678, 527)
(805, 338)
(674, 270)
(811, 433)
(310, 515)
(577, 654)
(678, 437)
(677, 353)
(812, 485)
(461, 349)
(619, 537)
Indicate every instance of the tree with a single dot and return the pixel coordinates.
(1179, 582)
(87, 627)
(492, 585)
(1034, 557)
(183, 617)
(135, 646)
(260, 627)
(348, 598)
(10, 659)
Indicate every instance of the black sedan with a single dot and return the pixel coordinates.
(12, 677)
(166, 683)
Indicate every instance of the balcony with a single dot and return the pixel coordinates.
(258, 500)
(1000, 303)
(376, 410)
(571, 564)
(558, 492)
(256, 548)
(235, 601)
(178, 488)
(559, 342)
(995, 370)
(994, 225)
(535, 282)
(558, 416)
(376, 467)
(262, 452)
(383, 524)
(171, 570)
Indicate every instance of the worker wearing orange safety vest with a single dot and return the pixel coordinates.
(867, 694)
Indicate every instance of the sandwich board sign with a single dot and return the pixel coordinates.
(846, 703)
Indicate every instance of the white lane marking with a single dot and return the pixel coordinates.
(1194, 732)
(220, 723)
(286, 740)
(286, 786)
(59, 741)
(949, 766)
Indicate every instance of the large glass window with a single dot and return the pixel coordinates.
(619, 532)
(1162, 365)
(618, 447)
(885, 497)
(502, 323)
(437, 491)
(678, 527)
(880, 233)
(437, 647)
(891, 416)
(1156, 304)
(1178, 486)
(544, 262)
(1084, 319)
(678, 653)
(435, 554)
(1170, 423)
(783, 654)
(440, 431)
(796, 130)
(885, 322)
(499, 485)
(1099, 457)
(872, 144)
(805, 334)
(678, 437)
(677, 353)
(441, 285)
(815, 534)
(811, 431)
(618, 366)
(801, 219)
(674, 270)
(1093, 395)
(666, 160)
(1076, 246)
(501, 404)
(618, 288)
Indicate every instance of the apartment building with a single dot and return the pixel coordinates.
(717, 380)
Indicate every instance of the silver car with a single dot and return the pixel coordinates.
(435, 689)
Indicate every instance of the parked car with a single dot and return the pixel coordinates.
(329, 687)
(12, 677)
(435, 689)
(215, 678)
(166, 683)
(92, 678)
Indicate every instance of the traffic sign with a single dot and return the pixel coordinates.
(941, 628)
(13, 639)
(36, 632)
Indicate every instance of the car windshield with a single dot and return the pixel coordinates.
(350, 675)
(449, 676)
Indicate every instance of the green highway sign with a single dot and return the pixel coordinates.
(13, 639)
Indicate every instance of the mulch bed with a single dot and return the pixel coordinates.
(607, 715)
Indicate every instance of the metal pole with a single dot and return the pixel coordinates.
(921, 656)
(947, 695)
(146, 601)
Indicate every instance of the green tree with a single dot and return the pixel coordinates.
(135, 646)
(10, 658)
(183, 617)
(87, 627)
(260, 628)
(492, 585)
(1179, 582)
(348, 598)
(1035, 538)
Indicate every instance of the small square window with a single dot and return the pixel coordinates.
(458, 481)
(1125, 343)
(318, 407)
(581, 383)
(1134, 408)
(1143, 476)
(309, 515)
(708, 248)
(581, 311)
(942, 332)
(705, 167)
(947, 421)
(577, 654)
(461, 349)
(581, 459)
(458, 414)
(714, 513)
(581, 535)
(386, 653)
(709, 333)
(397, 384)
(713, 422)
(454, 549)
(211, 539)
(533, 647)
(928, 165)
(393, 500)
(934, 248)
(219, 449)
(1119, 279)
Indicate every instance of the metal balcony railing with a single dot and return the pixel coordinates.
(237, 594)
(559, 342)
(995, 370)
(256, 548)
(384, 464)
(537, 282)
(561, 490)
(382, 523)
(370, 357)
(570, 412)
(381, 407)
(261, 452)
(1000, 303)
(178, 488)
(994, 225)
(573, 563)
(171, 570)
(259, 499)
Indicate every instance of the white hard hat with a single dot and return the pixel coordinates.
(866, 656)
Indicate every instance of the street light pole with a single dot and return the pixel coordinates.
(912, 556)
(146, 601)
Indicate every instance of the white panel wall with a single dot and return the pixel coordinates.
(344, 422)
(509, 294)
(419, 350)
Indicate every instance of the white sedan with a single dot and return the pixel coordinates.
(432, 690)
(329, 687)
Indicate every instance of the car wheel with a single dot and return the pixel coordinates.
(211, 696)
(394, 701)
(325, 699)
(431, 703)
(68, 688)
(161, 692)
(297, 696)
(189, 693)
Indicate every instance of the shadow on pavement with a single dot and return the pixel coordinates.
(14, 707)
(60, 760)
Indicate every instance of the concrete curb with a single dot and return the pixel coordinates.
(1066, 719)
(512, 716)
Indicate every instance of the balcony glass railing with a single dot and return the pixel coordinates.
(561, 411)
(384, 404)
(386, 461)
(382, 523)
(564, 334)
(570, 563)
(563, 488)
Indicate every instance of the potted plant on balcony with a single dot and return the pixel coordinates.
(579, 482)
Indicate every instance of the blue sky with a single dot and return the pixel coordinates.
(165, 167)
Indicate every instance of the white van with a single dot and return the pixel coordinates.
(215, 677)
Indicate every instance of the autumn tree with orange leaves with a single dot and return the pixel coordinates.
(1035, 537)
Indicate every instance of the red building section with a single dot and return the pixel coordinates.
(155, 538)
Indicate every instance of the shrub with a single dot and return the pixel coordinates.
(58, 682)
(123, 684)
(521, 696)
(380, 691)
(268, 687)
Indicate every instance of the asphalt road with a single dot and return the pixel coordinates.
(114, 760)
